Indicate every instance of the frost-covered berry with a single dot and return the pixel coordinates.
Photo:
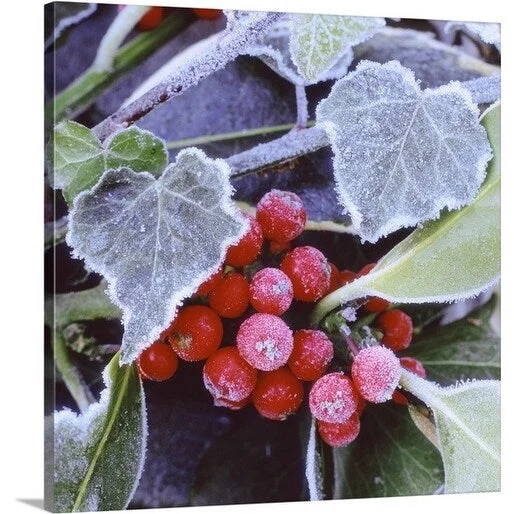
(333, 398)
(265, 341)
(374, 304)
(309, 272)
(376, 373)
(245, 251)
(416, 367)
(276, 248)
(196, 333)
(271, 291)
(222, 402)
(346, 276)
(396, 326)
(312, 353)
(281, 215)
(277, 394)
(158, 362)
(334, 278)
(208, 285)
(228, 377)
(340, 434)
(230, 297)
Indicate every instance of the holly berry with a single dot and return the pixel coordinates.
(152, 19)
(276, 248)
(277, 394)
(412, 365)
(281, 215)
(374, 304)
(376, 373)
(228, 377)
(230, 296)
(333, 278)
(333, 398)
(309, 272)
(208, 14)
(196, 333)
(265, 341)
(340, 434)
(271, 291)
(346, 276)
(207, 286)
(396, 326)
(158, 362)
(312, 353)
(223, 402)
(245, 251)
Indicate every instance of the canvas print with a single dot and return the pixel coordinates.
(272, 257)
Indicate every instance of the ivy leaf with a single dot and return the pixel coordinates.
(488, 32)
(155, 240)
(467, 430)
(452, 258)
(318, 41)
(99, 455)
(389, 458)
(401, 154)
(78, 158)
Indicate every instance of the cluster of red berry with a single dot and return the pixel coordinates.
(269, 362)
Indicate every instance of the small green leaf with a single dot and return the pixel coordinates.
(467, 421)
(454, 257)
(99, 455)
(78, 159)
(389, 458)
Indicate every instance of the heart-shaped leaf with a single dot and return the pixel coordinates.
(99, 455)
(401, 154)
(155, 240)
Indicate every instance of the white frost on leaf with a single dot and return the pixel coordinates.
(155, 240)
(313, 463)
(488, 32)
(401, 154)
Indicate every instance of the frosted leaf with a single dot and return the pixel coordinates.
(314, 464)
(488, 32)
(78, 159)
(99, 455)
(155, 240)
(318, 41)
(467, 431)
(401, 154)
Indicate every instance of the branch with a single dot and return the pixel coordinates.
(230, 44)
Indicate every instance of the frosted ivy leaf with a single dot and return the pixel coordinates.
(401, 154)
(155, 240)
(318, 41)
(488, 32)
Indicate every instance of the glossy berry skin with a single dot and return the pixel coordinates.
(230, 297)
(196, 333)
(152, 19)
(228, 377)
(158, 362)
(309, 272)
(277, 394)
(207, 286)
(271, 291)
(208, 14)
(265, 341)
(281, 215)
(245, 251)
(334, 278)
(396, 326)
(412, 365)
(374, 304)
(376, 373)
(340, 434)
(333, 398)
(312, 353)
(346, 276)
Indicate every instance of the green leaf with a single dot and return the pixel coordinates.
(78, 159)
(467, 423)
(467, 348)
(99, 455)
(155, 240)
(318, 41)
(314, 463)
(389, 458)
(454, 257)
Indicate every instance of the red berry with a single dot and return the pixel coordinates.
(374, 304)
(228, 377)
(312, 353)
(309, 272)
(276, 248)
(230, 297)
(333, 398)
(365, 269)
(196, 333)
(207, 286)
(152, 19)
(412, 365)
(396, 326)
(208, 14)
(158, 362)
(340, 434)
(361, 405)
(376, 373)
(222, 402)
(334, 278)
(265, 341)
(271, 291)
(346, 276)
(245, 251)
(277, 394)
(281, 215)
